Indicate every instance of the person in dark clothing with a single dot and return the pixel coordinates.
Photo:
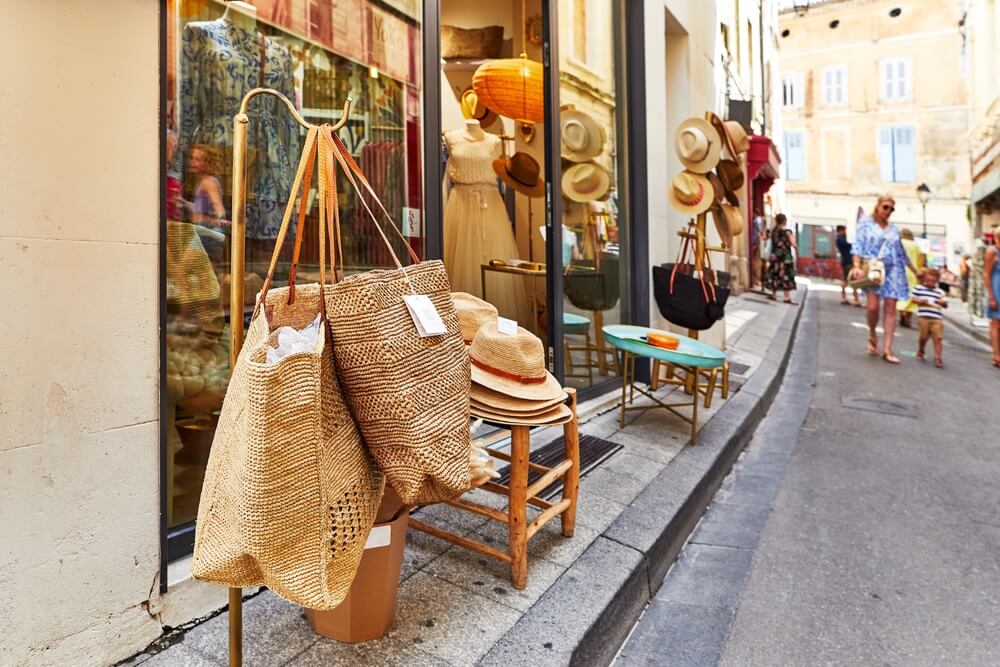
(844, 248)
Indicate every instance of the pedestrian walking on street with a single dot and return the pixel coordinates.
(930, 299)
(877, 238)
(781, 261)
(991, 276)
(846, 262)
(964, 274)
(907, 307)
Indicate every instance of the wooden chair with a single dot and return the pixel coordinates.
(520, 495)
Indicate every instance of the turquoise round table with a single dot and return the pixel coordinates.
(691, 355)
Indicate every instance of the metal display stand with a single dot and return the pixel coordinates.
(241, 121)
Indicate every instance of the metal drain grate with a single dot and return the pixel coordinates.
(593, 452)
(736, 368)
(883, 406)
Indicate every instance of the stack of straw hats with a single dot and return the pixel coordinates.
(510, 384)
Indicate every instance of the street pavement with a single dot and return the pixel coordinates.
(846, 535)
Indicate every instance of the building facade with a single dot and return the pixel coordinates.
(875, 99)
(981, 24)
(108, 404)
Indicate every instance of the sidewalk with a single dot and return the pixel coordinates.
(957, 314)
(458, 608)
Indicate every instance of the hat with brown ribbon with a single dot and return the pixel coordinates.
(691, 193)
(472, 313)
(512, 364)
(698, 145)
(474, 109)
(521, 172)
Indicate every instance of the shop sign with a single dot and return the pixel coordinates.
(408, 7)
(388, 39)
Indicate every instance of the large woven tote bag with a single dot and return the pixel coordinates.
(290, 492)
(409, 395)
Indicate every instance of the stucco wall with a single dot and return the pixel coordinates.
(78, 381)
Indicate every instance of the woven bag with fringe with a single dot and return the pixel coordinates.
(290, 492)
(409, 394)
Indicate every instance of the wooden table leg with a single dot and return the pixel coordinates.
(518, 509)
(235, 627)
(625, 382)
(599, 336)
(725, 379)
(654, 380)
(571, 478)
(694, 408)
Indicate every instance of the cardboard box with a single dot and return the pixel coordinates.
(370, 606)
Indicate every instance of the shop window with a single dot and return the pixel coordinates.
(897, 154)
(895, 80)
(793, 164)
(316, 53)
(793, 90)
(835, 86)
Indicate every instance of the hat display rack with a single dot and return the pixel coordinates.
(709, 182)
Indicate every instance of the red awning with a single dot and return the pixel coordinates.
(763, 162)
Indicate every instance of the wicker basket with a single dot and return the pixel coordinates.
(473, 43)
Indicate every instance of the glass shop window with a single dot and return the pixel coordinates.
(316, 53)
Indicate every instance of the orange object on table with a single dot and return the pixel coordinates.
(663, 340)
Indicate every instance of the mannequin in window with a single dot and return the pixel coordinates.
(221, 61)
(476, 226)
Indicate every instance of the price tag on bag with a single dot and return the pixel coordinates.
(506, 326)
(425, 315)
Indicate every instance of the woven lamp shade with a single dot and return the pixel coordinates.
(512, 87)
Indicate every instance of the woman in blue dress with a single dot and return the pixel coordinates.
(877, 238)
(991, 275)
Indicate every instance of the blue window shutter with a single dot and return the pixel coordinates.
(905, 153)
(795, 156)
(885, 154)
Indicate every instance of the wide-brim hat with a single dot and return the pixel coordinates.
(581, 137)
(728, 221)
(691, 193)
(585, 182)
(556, 415)
(521, 172)
(473, 108)
(733, 134)
(472, 313)
(503, 404)
(512, 364)
(698, 145)
(732, 178)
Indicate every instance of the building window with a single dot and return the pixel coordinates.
(793, 90)
(584, 49)
(834, 86)
(896, 80)
(897, 154)
(793, 164)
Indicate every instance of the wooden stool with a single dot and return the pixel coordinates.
(520, 494)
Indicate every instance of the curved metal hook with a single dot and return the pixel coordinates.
(245, 104)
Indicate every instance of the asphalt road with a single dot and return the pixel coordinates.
(845, 535)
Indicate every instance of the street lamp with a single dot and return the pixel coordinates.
(801, 7)
(924, 195)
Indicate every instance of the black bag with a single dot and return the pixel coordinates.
(687, 301)
(593, 285)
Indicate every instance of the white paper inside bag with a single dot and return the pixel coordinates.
(291, 340)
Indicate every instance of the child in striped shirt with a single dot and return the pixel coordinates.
(930, 301)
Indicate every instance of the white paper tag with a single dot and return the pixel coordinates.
(506, 326)
(425, 315)
(380, 536)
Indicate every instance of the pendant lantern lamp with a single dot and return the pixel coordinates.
(512, 87)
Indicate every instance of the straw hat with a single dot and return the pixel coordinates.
(473, 108)
(557, 415)
(733, 134)
(473, 313)
(731, 176)
(728, 221)
(521, 172)
(512, 364)
(691, 193)
(698, 145)
(502, 404)
(582, 137)
(586, 182)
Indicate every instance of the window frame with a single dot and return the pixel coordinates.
(893, 129)
(842, 87)
(893, 82)
(786, 163)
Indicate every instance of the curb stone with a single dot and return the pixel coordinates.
(586, 615)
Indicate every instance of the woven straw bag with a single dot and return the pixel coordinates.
(290, 492)
(409, 395)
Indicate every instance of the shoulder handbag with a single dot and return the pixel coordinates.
(409, 394)
(684, 299)
(290, 492)
(593, 284)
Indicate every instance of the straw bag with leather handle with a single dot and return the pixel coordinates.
(290, 492)
(409, 394)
